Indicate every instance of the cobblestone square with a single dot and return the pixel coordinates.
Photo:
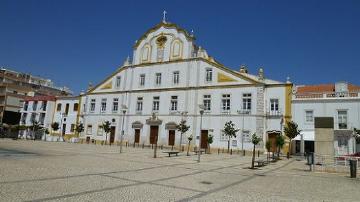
(53, 171)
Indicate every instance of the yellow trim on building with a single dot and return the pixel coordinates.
(224, 78)
(107, 86)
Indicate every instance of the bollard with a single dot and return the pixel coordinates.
(244, 152)
(310, 160)
(258, 153)
(218, 150)
(230, 151)
(182, 148)
(353, 168)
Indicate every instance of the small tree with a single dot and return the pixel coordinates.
(107, 128)
(55, 126)
(255, 140)
(189, 138)
(230, 132)
(210, 140)
(268, 148)
(182, 128)
(79, 128)
(291, 131)
(279, 141)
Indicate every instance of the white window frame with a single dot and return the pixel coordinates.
(115, 106)
(208, 75)
(142, 79)
(226, 103)
(207, 102)
(103, 105)
(89, 129)
(118, 82)
(307, 118)
(176, 77)
(92, 105)
(246, 101)
(274, 103)
(156, 103)
(174, 103)
(100, 130)
(139, 104)
(343, 119)
(158, 79)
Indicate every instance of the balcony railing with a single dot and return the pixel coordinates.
(326, 95)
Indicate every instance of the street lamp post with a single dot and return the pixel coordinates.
(124, 108)
(202, 108)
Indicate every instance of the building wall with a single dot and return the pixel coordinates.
(69, 119)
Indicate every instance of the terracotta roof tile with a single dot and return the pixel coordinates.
(324, 88)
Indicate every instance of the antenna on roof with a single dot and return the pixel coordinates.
(164, 16)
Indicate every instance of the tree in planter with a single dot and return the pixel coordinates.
(255, 140)
(280, 141)
(55, 126)
(268, 148)
(107, 128)
(230, 132)
(291, 131)
(79, 128)
(210, 140)
(182, 128)
(189, 138)
(357, 135)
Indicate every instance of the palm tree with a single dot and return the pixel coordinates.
(255, 140)
(291, 131)
(230, 132)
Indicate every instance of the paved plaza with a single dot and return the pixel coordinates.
(53, 171)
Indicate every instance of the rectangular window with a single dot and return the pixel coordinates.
(309, 116)
(72, 128)
(158, 79)
(58, 107)
(142, 80)
(103, 105)
(118, 82)
(247, 101)
(92, 105)
(208, 76)
(89, 130)
(173, 103)
(43, 105)
(26, 105)
(342, 119)
(115, 104)
(207, 102)
(225, 101)
(139, 104)
(274, 105)
(42, 118)
(176, 76)
(35, 103)
(246, 136)
(76, 107)
(100, 131)
(223, 137)
(156, 103)
(33, 117)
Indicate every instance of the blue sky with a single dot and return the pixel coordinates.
(75, 42)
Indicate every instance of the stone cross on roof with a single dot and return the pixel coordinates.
(164, 16)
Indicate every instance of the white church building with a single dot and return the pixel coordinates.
(170, 78)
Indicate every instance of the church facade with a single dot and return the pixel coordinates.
(170, 79)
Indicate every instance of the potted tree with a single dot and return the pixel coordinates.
(55, 127)
(291, 131)
(210, 141)
(280, 141)
(255, 140)
(230, 132)
(189, 138)
(268, 148)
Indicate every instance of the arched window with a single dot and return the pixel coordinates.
(145, 56)
(176, 49)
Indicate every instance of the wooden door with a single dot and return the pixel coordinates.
(154, 134)
(137, 136)
(272, 138)
(112, 134)
(204, 139)
(171, 137)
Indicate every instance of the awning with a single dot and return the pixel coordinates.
(307, 136)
